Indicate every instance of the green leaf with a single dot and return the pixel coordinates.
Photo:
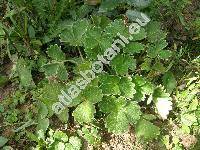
(127, 87)
(24, 72)
(159, 92)
(194, 104)
(165, 54)
(31, 32)
(55, 70)
(43, 124)
(2, 33)
(149, 117)
(43, 110)
(134, 47)
(3, 141)
(75, 142)
(42, 60)
(96, 43)
(92, 94)
(139, 36)
(158, 66)
(139, 3)
(122, 63)
(62, 72)
(120, 114)
(156, 48)
(117, 122)
(111, 104)
(146, 65)
(41, 7)
(108, 5)
(82, 66)
(84, 10)
(50, 69)
(64, 115)
(61, 136)
(147, 88)
(147, 130)
(133, 15)
(101, 21)
(154, 32)
(48, 94)
(2, 108)
(92, 38)
(109, 84)
(188, 119)
(139, 96)
(74, 33)
(144, 89)
(55, 52)
(32, 136)
(133, 112)
(84, 113)
(161, 44)
(69, 146)
(60, 146)
(139, 80)
(169, 82)
(117, 26)
(90, 135)
(3, 80)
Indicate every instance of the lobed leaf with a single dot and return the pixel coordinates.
(109, 84)
(146, 130)
(75, 32)
(122, 63)
(133, 48)
(55, 52)
(24, 73)
(127, 87)
(84, 113)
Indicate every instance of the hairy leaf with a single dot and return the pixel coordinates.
(117, 122)
(134, 47)
(90, 135)
(122, 63)
(92, 94)
(48, 94)
(127, 87)
(55, 70)
(120, 113)
(75, 142)
(75, 32)
(24, 72)
(154, 32)
(169, 82)
(84, 113)
(111, 103)
(146, 130)
(109, 84)
(55, 52)
(115, 27)
(139, 36)
(64, 116)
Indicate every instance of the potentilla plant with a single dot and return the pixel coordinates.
(109, 77)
